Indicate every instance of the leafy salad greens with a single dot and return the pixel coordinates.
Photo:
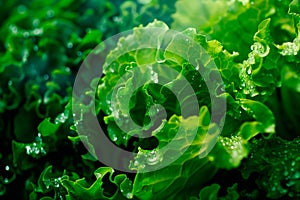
(255, 46)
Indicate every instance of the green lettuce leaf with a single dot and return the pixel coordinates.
(115, 187)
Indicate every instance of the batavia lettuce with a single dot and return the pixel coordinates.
(252, 44)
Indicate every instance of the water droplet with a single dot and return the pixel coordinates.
(79, 53)
(13, 29)
(114, 137)
(129, 195)
(67, 69)
(38, 31)
(118, 20)
(26, 34)
(47, 183)
(46, 77)
(21, 9)
(35, 22)
(35, 47)
(249, 70)
(50, 13)
(70, 45)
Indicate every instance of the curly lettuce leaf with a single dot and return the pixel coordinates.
(248, 117)
(106, 186)
(227, 21)
(211, 193)
(164, 182)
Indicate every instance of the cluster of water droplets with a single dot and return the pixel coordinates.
(129, 195)
(147, 158)
(7, 175)
(62, 117)
(233, 146)
(37, 148)
(285, 174)
(290, 48)
(154, 75)
(52, 182)
(55, 183)
(26, 33)
(19, 32)
(291, 165)
(258, 51)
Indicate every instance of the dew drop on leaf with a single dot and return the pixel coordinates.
(38, 31)
(79, 53)
(7, 174)
(35, 47)
(13, 29)
(50, 13)
(249, 70)
(289, 49)
(70, 45)
(129, 195)
(25, 34)
(21, 9)
(114, 138)
(35, 22)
